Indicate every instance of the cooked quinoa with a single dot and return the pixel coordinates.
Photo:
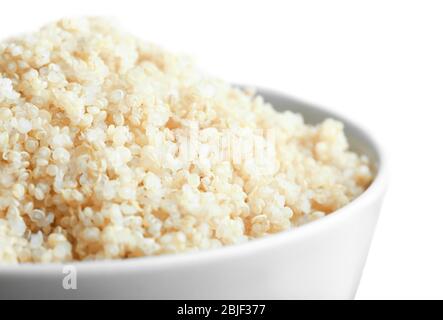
(92, 126)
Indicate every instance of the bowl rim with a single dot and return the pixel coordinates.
(375, 191)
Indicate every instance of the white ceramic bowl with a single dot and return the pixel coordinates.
(323, 259)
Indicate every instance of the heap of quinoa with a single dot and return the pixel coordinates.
(91, 125)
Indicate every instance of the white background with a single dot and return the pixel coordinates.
(378, 62)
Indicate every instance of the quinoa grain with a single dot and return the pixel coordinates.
(113, 148)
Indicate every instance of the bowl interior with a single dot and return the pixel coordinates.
(359, 141)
